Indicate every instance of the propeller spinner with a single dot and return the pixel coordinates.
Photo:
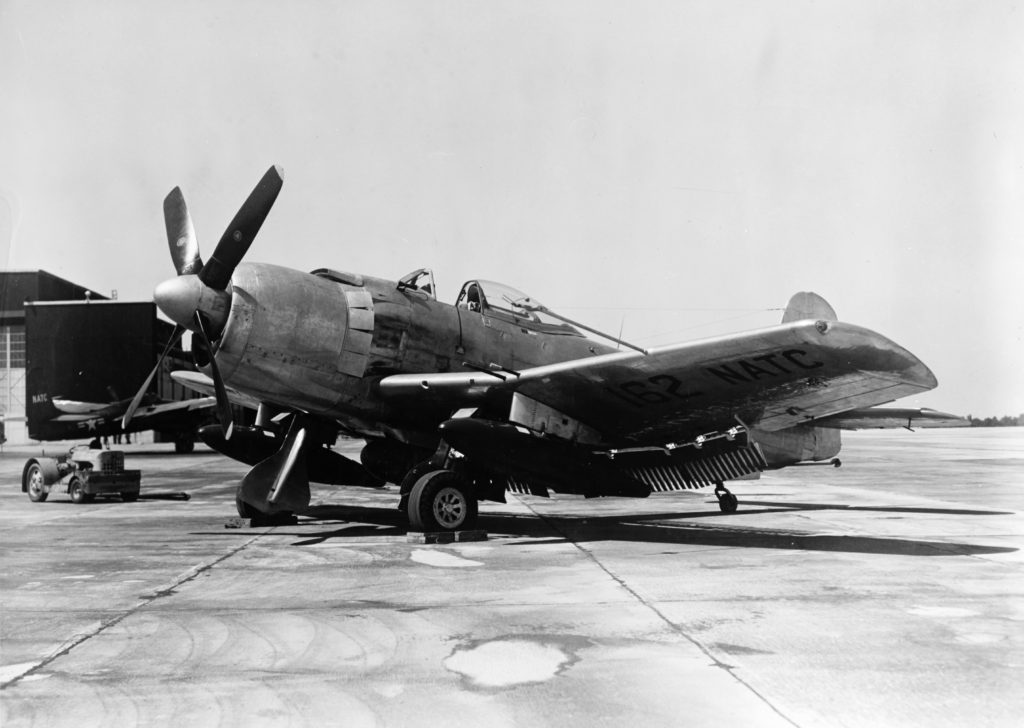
(198, 299)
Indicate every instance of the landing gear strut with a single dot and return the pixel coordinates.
(727, 502)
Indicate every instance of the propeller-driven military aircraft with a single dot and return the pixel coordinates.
(496, 393)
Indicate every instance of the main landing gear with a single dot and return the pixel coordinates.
(439, 500)
(727, 502)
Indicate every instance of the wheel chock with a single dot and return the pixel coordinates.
(263, 521)
(445, 536)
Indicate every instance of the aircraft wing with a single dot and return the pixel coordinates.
(74, 411)
(75, 407)
(771, 378)
(76, 417)
(201, 383)
(164, 407)
(891, 417)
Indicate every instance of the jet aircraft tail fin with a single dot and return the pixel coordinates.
(807, 305)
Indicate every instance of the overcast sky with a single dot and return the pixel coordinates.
(676, 169)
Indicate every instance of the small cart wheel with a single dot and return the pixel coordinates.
(130, 497)
(76, 489)
(37, 492)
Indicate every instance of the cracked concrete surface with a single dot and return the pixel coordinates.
(888, 592)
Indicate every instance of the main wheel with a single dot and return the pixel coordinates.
(33, 482)
(409, 480)
(441, 500)
(76, 489)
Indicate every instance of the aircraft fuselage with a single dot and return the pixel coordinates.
(320, 343)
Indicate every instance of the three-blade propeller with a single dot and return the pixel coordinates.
(215, 274)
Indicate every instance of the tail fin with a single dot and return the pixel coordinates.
(807, 305)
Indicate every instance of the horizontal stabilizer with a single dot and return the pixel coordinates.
(871, 418)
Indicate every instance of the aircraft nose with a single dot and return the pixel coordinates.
(180, 298)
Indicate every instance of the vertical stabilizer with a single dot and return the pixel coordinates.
(807, 305)
(803, 443)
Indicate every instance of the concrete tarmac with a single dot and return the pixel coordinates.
(888, 592)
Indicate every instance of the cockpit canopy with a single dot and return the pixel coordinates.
(501, 301)
(490, 299)
(421, 279)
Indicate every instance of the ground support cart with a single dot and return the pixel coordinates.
(83, 473)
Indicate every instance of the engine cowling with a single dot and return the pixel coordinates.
(294, 339)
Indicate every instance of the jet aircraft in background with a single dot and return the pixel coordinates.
(462, 403)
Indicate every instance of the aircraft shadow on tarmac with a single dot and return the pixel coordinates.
(659, 528)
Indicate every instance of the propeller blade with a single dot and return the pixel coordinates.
(242, 231)
(223, 403)
(137, 399)
(181, 235)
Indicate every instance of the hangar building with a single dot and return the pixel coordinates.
(85, 347)
(17, 287)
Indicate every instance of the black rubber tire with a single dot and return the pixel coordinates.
(441, 500)
(77, 491)
(728, 503)
(416, 472)
(33, 483)
(246, 510)
(184, 445)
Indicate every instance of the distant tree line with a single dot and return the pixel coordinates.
(1006, 421)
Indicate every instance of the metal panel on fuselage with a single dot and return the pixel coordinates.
(492, 337)
(416, 334)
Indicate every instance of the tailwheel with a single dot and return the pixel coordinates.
(442, 500)
(727, 502)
